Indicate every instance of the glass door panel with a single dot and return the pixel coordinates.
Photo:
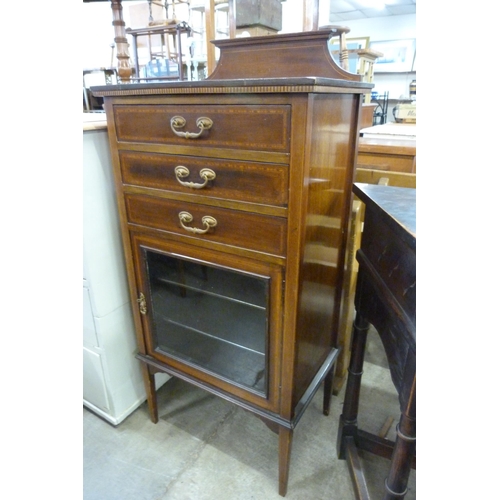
(211, 317)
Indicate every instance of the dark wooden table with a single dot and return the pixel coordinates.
(385, 298)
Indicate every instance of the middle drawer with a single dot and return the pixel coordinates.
(229, 179)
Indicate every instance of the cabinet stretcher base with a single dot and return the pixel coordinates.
(276, 423)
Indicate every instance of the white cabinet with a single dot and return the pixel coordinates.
(112, 380)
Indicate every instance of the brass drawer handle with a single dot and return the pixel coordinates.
(203, 123)
(186, 218)
(205, 173)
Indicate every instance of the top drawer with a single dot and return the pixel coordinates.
(251, 127)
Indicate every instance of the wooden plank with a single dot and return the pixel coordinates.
(356, 470)
(210, 34)
(311, 15)
(386, 427)
(399, 179)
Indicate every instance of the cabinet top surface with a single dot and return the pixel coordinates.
(230, 86)
(397, 205)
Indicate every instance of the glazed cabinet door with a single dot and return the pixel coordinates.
(214, 317)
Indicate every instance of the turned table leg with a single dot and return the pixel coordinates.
(348, 419)
(404, 449)
(285, 448)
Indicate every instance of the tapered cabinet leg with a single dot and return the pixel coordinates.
(149, 383)
(285, 448)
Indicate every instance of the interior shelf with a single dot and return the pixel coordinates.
(247, 367)
(211, 315)
(234, 285)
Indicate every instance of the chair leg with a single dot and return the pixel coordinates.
(328, 391)
(344, 54)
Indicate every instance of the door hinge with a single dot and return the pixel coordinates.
(142, 304)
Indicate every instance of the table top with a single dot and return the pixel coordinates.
(393, 131)
(94, 121)
(388, 146)
(396, 204)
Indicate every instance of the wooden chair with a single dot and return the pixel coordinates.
(367, 59)
(386, 177)
(341, 32)
(368, 176)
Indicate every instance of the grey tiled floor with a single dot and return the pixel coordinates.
(204, 448)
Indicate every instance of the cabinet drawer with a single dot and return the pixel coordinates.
(236, 180)
(250, 127)
(246, 230)
(393, 262)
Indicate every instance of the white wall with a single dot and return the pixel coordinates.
(384, 28)
(377, 29)
(388, 28)
(98, 35)
(292, 16)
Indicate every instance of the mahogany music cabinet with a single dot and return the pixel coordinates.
(234, 195)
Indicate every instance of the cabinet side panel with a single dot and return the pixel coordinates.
(329, 176)
(109, 104)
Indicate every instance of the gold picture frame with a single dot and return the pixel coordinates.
(398, 55)
(353, 45)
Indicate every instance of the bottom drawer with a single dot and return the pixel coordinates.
(251, 231)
